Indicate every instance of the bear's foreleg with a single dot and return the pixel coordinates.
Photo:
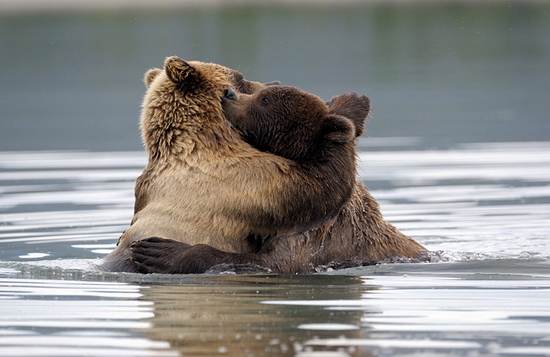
(157, 255)
(167, 256)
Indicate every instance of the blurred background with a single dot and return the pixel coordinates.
(438, 73)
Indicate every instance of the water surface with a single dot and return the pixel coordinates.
(457, 154)
(483, 209)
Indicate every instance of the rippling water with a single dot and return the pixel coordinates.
(484, 209)
(438, 74)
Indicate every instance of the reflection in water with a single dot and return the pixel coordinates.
(202, 316)
(484, 208)
(486, 198)
(233, 316)
(438, 74)
(401, 309)
(492, 314)
(65, 204)
(71, 318)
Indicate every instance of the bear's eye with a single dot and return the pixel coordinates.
(265, 100)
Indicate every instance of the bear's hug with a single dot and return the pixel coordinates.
(204, 185)
(315, 139)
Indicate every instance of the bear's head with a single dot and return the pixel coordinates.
(184, 98)
(294, 124)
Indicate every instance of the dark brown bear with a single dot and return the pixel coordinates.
(276, 120)
(204, 184)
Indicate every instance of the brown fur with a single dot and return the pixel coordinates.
(358, 236)
(204, 184)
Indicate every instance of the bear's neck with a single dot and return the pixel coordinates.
(214, 139)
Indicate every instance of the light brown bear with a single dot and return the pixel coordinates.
(204, 184)
(274, 121)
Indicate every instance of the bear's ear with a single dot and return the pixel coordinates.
(352, 106)
(179, 71)
(150, 76)
(338, 129)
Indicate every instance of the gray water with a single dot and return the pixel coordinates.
(457, 154)
(484, 209)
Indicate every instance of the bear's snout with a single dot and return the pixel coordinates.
(230, 94)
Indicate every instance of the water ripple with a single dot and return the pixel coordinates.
(483, 210)
(63, 318)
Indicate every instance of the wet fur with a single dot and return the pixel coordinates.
(204, 184)
(358, 236)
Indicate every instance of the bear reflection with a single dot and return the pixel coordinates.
(255, 315)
